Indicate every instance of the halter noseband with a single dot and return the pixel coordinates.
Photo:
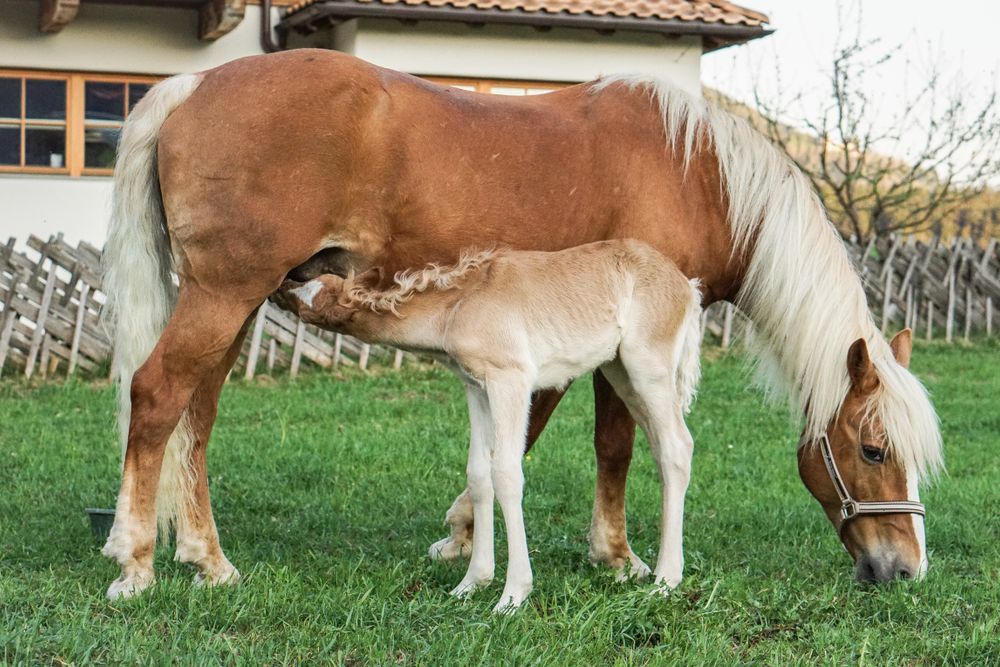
(851, 508)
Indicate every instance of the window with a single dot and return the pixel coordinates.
(55, 123)
(500, 86)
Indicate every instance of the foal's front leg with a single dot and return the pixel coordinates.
(480, 491)
(509, 397)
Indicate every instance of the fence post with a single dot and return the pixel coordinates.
(968, 313)
(43, 313)
(989, 316)
(930, 319)
(727, 325)
(81, 311)
(949, 322)
(887, 299)
(300, 335)
(258, 335)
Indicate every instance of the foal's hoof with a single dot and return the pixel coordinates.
(224, 575)
(469, 586)
(664, 587)
(510, 602)
(450, 549)
(125, 587)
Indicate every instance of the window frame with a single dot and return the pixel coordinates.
(76, 122)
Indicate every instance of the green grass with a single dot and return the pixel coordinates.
(329, 490)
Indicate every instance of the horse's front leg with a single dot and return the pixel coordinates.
(614, 436)
(480, 493)
(460, 517)
(509, 397)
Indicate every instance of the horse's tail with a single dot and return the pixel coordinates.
(689, 364)
(138, 271)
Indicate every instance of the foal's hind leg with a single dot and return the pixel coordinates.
(200, 332)
(460, 515)
(197, 536)
(614, 435)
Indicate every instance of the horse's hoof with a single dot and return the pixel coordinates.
(635, 570)
(468, 586)
(126, 587)
(510, 602)
(225, 575)
(664, 587)
(450, 549)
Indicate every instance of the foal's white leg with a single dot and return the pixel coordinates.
(509, 398)
(672, 448)
(480, 490)
(648, 387)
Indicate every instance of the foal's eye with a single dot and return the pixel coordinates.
(873, 454)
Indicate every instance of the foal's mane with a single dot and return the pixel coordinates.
(801, 290)
(409, 282)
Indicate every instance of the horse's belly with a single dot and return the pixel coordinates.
(560, 363)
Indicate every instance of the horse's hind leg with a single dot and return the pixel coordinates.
(614, 436)
(195, 341)
(460, 517)
(197, 537)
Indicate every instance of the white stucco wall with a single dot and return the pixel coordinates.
(108, 38)
(116, 39)
(517, 52)
(46, 205)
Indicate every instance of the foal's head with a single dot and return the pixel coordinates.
(324, 301)
(886, 539)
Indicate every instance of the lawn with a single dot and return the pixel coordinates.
(328, 490)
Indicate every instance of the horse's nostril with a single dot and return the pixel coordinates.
(904, 573)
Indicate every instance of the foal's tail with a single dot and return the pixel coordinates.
(138, 268)
(689, 365)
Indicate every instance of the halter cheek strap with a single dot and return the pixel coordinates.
(851, 508)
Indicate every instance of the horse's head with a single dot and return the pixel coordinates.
(867, 482)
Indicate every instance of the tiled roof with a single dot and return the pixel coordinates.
(702, 11)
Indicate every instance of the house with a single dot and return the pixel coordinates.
(70, 72)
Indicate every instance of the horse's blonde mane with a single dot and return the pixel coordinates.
(801, 291)
(410, 282)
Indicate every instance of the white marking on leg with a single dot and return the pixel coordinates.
(306, 293)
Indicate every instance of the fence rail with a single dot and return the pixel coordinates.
(50, 298)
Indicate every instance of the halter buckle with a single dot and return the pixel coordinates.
(849, 510)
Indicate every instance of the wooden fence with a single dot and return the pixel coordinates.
(50, 299)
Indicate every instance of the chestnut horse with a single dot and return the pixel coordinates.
(310, 161)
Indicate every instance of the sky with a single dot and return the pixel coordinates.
(960, 36)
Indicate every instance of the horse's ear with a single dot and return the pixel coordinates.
(860, 367)
(902, 347)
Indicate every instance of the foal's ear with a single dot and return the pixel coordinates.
(860, 367)
(902, 347)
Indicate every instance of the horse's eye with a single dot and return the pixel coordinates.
(873, 454)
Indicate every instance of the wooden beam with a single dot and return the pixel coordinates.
(54, 15)
(218, 17)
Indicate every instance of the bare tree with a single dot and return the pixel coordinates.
(881, 175)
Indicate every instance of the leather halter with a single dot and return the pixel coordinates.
(851, 508)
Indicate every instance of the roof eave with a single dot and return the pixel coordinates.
(714, 35)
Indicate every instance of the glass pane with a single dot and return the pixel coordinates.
(104, 101)
(45, 146)
(508, 90)
(136, 91)
(99, 146)
(10, 145)
(46, 100)
(10, 98)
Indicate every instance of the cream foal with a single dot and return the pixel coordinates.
(508, 323)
